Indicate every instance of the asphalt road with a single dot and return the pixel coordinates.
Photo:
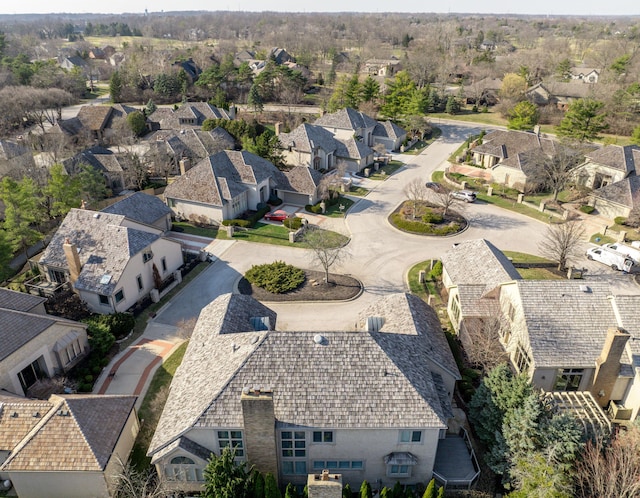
(378, 254)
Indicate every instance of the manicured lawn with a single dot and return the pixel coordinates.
(265, 233)
(532, 273)
(335, 211)
(523, 258)
(489, 118)
(152, 406)
(420, 145)
(358, 191)
(598, 238)
(188, 228)
(512, 205)
(387, 170)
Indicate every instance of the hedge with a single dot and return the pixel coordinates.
(586, 209)
(426, 228)
(292, 223)
(277, 277)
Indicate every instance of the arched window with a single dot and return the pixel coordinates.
(182, 460)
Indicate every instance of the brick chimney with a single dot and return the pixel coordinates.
(260, 429)
(324, 485)
(73, 261)
(608, 365)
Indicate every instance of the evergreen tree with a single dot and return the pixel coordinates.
(6, 255)
(63, 190)
(93, 184)
(226, 478)
(370, 89)
(137, 123)
(386, 493)
(115, 87)
(353, 94)
(150, 108)
(291, 492)
(255, 99)
(440, 492)
(257, 484)
(271, 487)
(365, 490)
(346, 491)
(399, 93)
(453, 106)
(583, 121)
(523, 116)
(430, 492)
(21, 212)
(635, 136)
(397, 491)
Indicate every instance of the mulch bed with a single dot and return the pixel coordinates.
(339, 288)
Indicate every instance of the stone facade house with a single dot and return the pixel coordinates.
(383, 67)
(374, 403)
(110, 260)
(228, 183)
(35, 345)
(69, 446)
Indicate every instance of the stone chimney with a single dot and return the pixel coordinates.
(185, 165)
(233, 111)
(277, 128)
(260, 429)
(324, 485)
(73, 261)
(608, 365)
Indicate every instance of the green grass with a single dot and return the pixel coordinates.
(602, 239)
(524, 258)
(387, 170)
(188, 228)
(538, 274)
(152, 406)
(532, 273)
(467, 115)
(358, 191)
(334, 211)
(143, 318)
(420, 145)
(512, 205)
(437, 176)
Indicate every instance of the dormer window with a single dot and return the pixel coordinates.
(147, 256)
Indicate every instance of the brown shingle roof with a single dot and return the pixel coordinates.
(624, 158)
(94, 117)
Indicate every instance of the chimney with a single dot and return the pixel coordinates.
(324, 485)
(277, 127)
(260, 429)
(608, 365)
(73, 260)
(185, 165)
(232, 111)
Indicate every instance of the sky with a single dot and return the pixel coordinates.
(550, 7)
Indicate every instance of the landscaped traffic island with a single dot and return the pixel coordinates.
(423, 218)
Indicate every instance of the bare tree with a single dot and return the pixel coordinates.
(610, 470)
(562, 242)
(444, 198)
(416, 192)
(327, 248)
(132, 483)
(481, 341)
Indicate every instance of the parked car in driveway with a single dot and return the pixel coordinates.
(464, 195)
(436, 187)
(277, 215)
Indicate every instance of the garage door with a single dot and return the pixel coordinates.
(294, 198)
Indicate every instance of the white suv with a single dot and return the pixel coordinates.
(464, 195)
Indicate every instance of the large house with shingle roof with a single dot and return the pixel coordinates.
(188, 116)
(33, 344)
(69, 446)
(510, 155)
(110, 165)
(374, 403)
(110, 260)
(228, 183)
(143, 208)
(566, 335)
(619, 198)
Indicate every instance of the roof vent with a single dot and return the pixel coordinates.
(96, 215)
(585, 288)
(234, 347)
(36, 415)
(246, 390)
(14, 415)
(320, 339)
(63, 413)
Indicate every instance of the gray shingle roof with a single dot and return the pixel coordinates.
(19, 301)
(625, 192)
(624, 158)
(351, 148)
(505, 144)
(388, 129)
(567, 325)
(300, 179)
(221, 177)
(478, 262)
(140, 207)
(19, 328)
(386, 375)
(346, 119)
(627, 308)
(104, 247)
(307, 136)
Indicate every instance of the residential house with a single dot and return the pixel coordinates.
(90, 123)
(191, 69)
(97, 53)
(280, 56)
(483, 92)
(188, 116)
(110, 260)
(183, 148)
(311, 146)
(374, 404)
(389, 134)
(383, 67)
(558, 94)
(69, 446)
(117, 123)
(585, 74)
(73, 62)
(228, 183)
(143, 208)
(35, 345)
(511, 156)
(611, 171)
(112, 166)
(16, 159)
(471, 272)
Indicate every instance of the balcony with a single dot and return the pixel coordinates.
(456, 466)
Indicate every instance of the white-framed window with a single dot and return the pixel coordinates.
(338, 465)
(455, 308)
(522, 360)
(410, 436)
(104, 300)
(323, 437)
(119, 296)
(147, 256)
(568, 379)
(398, 470)
(232, 439)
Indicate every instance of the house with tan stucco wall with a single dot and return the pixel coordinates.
(374, 403)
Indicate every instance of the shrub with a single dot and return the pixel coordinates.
(316, 209)
(275, 201)
(620, 220)
(257, 216)
(419, 226)
(436, 271)
(586, 209)
(293, 223)
(262, 205)
(432, 217)
(236, 223)
(100, 338)
(277, 277)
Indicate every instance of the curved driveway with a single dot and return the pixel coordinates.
(378, 254)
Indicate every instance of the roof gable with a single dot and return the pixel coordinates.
(140, 207)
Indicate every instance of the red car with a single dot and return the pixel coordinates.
(278, 215)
